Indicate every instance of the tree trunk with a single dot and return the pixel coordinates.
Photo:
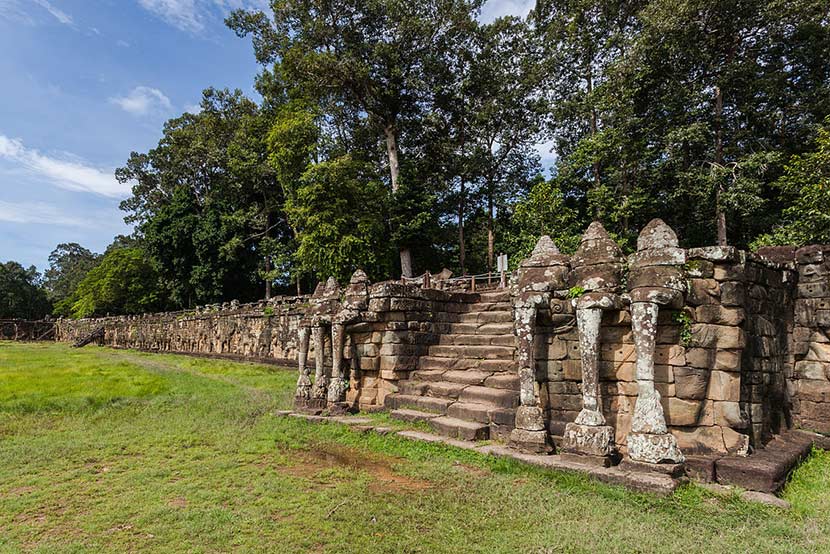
(268, 223)
(589, 78)
(462, 254)
(491, 235)
(299, 287)
(394, 170)
(268, 278)
(720, 216)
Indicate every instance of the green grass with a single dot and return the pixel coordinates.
(114, 451)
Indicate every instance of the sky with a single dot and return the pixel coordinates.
(83, 83)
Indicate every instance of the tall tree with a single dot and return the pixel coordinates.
(375, 57)
(68, 265)
(21, 293)
(205, 200)
(124, 282)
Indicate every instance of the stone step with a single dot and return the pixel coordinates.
(489, 352)
(460, 429)
(500, 295)
(470, 412)
(445, 389)
(409, 415)
(464, 364)
(430, 375)
(508, 381)
(426, 403)
(470, 328)
(486, 317)
(471, 339)
(413, 388)
(487, 307)
(497, 398)
(468, 377)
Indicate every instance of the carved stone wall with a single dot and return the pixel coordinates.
(742, 348)
(809, 371)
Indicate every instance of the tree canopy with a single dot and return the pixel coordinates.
(398, 137)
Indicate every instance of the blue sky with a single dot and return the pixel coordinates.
(86, 82)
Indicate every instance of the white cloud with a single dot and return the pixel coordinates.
(494, 9)
(123, 43)
(143, 100)
(195, 109)
(179, 13)
(38, 212)
(192, 15)
(61, 16)
(69, 174)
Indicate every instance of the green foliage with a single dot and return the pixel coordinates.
(268, 311)
(68, 265)
(806, 183)
(124, 282)
(684, 320)
(576, 292)
(339, 214)
(545, 211)
(21, 294)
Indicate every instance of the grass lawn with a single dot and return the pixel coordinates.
(114, 451)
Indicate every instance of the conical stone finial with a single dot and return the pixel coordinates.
(331, 285)
(319, 290)
(656, 235)
(596, 247)
(358, 277)
(595, 231)
(544, 247)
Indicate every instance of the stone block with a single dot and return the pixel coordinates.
(691, 383)
(674, 355)
(724, 386)
(589, 440)
(732, 293)
(714, 313)
(617, 371)
(699, 440)
(728, 414)
(687, 413)
(706, 335)
(572, 370)
(818, 351)
(818, 289)
(715, 253)
(703, 291)
(812, 369)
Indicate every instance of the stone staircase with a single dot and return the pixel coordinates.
(467, 386)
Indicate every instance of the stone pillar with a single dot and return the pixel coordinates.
(338, 384)
(304, 381)
(588, 322)
(538, 275)
(352, 310)
(596, 269)
(319, 390)
(656, 279)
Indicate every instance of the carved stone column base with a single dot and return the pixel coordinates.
(337, 389)
(314, 406)
(534, 442)
(654, 449)
(589, 440)
(320, 389)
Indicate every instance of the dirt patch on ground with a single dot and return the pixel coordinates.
(309, 463)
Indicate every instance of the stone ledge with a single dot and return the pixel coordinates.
(767, 469)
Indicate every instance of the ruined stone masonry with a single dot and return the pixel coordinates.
(668, 360)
